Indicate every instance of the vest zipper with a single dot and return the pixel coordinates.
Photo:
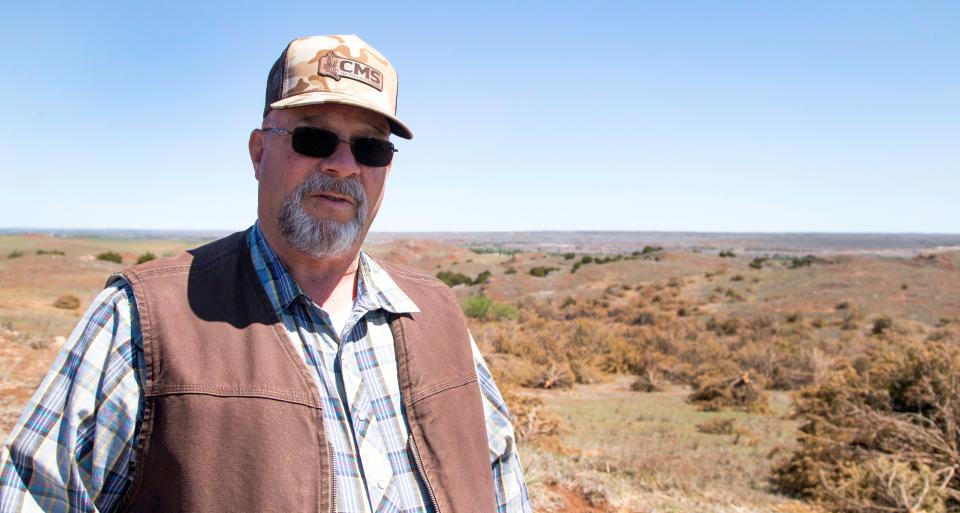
(333, 476)
(423, 474)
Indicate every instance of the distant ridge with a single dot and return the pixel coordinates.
(884, 244)
(119, 233)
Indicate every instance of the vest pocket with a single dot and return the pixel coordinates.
(215, 453)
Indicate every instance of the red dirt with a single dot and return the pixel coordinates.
(575, 502)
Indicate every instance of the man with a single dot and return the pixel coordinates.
(281, 368)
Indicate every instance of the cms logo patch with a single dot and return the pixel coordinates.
(336, 67)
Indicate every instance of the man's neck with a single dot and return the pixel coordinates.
(328, 281)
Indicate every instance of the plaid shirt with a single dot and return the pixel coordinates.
(73, 448)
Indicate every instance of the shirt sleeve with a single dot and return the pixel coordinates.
(508, 482)
(72, 449)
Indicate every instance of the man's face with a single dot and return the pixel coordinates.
(321, 206)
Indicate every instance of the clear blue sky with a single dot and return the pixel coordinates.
(715, 116)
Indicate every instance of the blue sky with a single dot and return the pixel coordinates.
(702, 116)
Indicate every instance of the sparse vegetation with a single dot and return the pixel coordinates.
(67, 302)
(494, 251)
(608, 259)
(757, 263)
(453, 279)
(608, 371)
(541, 271)
(50, 252)
(482, 307)
(146, 257)
(797, 262)
(110, 256)
(477, 306)
(15, 254)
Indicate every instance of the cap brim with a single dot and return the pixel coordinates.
(396, 126)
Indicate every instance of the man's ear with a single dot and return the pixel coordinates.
(255, 145)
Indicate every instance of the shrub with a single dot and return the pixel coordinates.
(796, 263)
(728, 326)
(569, 256)
(608, 259)
(881, 324)
(576, 266)
(477, 306)
(453, 279)
(110, 256)
(587, 259)
(644, 319)
(733, 295)
(50, 252)
(481, 278)
(510, 270)
(881, 436)
(554, 375)
(67, 302)
(757, 263)
(146, 257)
(718, 386)
(541, 271)
(484, 308)
(651, 380)
(503, 311)
(15, 254)
(728, 253)
(532, 422)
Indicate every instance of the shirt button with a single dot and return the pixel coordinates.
(382, 484)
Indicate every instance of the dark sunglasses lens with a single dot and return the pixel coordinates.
(372, 152)
(314, 142)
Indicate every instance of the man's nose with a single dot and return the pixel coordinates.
(341, 162)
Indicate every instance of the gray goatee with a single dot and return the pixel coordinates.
(322, 237)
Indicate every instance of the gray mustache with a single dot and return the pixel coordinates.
(317, 183)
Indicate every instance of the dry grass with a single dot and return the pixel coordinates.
(608, 370)
(643, 452)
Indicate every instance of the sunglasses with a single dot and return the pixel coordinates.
(321, 143)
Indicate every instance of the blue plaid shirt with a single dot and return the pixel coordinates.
(73, 448)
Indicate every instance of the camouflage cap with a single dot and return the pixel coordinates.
(335, 69)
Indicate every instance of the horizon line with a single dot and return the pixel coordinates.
(35, 230)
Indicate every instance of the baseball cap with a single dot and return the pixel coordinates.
(335, 69)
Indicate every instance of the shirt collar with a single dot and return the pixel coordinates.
(375, 288)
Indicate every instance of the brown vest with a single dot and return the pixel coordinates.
(232, 420)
